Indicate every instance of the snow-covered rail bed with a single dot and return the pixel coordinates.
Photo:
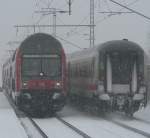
(96, 126)
(30, 127)
(134, 126)
(138, 123)
(53, 128)
(10, 126)
(84, 125)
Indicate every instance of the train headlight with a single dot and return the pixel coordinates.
(41, 74)
(142, 90)
(58, 85)
(24, 84)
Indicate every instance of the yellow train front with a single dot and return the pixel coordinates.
(110, 75)
(35, 75)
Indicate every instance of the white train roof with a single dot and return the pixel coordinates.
(91, 52)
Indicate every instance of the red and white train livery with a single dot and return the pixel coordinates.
(35, 76)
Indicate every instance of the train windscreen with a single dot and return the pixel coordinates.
(49, 66)
(122, 64)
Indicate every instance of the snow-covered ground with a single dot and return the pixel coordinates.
(144, 114)
(141, 119)
(93, 125)
(10, 126)
(53, 128)
(96, 126)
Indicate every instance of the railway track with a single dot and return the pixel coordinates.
(83, 134)
(29, 125)
(138, 131)
(128, 126)
(32, 129)
(141, 120)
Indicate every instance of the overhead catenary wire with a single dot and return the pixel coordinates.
(75, 45)
(101, 20)
(108, 16)
(136, 12)
(83, 20)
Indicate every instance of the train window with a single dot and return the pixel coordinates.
(10, 71)
(101, 68)
(51, 67)
(121, 67)
(31, 66)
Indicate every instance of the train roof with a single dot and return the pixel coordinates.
(120, 44)
(107, 46)
(40, 43)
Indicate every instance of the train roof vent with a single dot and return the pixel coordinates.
(125, 39)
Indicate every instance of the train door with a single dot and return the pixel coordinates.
(121, 72)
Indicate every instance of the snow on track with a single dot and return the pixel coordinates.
(140, 123)
(10, 126)
(53, 128)
(144, 114)
(96, 126)
(30, 129)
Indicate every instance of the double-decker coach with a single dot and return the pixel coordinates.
(35, 76)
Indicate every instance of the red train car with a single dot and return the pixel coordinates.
(35, 76)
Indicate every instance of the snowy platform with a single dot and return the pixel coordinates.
(10, 126)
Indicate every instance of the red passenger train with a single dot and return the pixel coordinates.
(35, 76)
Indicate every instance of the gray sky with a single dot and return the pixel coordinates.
(130, 26)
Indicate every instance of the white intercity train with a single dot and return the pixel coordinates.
(111, 75)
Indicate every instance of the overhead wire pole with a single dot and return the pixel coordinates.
(69, 3)
(53, 11)
(46, 11)
(92, 36)
(54, 22)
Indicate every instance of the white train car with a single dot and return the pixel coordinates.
(112, 75)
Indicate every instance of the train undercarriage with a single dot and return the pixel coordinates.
(40, 103)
